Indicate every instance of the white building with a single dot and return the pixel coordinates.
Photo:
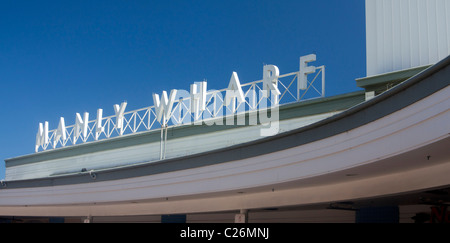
(381, 154)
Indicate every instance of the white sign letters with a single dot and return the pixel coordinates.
(205, 107)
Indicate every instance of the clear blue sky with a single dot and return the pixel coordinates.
(58, 58)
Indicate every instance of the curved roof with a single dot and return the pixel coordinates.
(388, 140)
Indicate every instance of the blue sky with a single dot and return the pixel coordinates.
(58, 58)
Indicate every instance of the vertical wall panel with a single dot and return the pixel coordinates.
(441, 36)
(405, 31)
(432, 30)
(387, 34)
(379, 36)
(396, 36)
(447, 17)
(414, 30)
(371, 40)
(403, 34)
(423, 31)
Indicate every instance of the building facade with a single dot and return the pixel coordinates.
(377, 155)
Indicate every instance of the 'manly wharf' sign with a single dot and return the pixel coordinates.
(181, 107)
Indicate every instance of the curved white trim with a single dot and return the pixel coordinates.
(391, 184)
(151, 151)
(415, 126)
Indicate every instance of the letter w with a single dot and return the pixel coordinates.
(164, 105)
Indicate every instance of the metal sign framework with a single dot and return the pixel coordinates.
(145, 119)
